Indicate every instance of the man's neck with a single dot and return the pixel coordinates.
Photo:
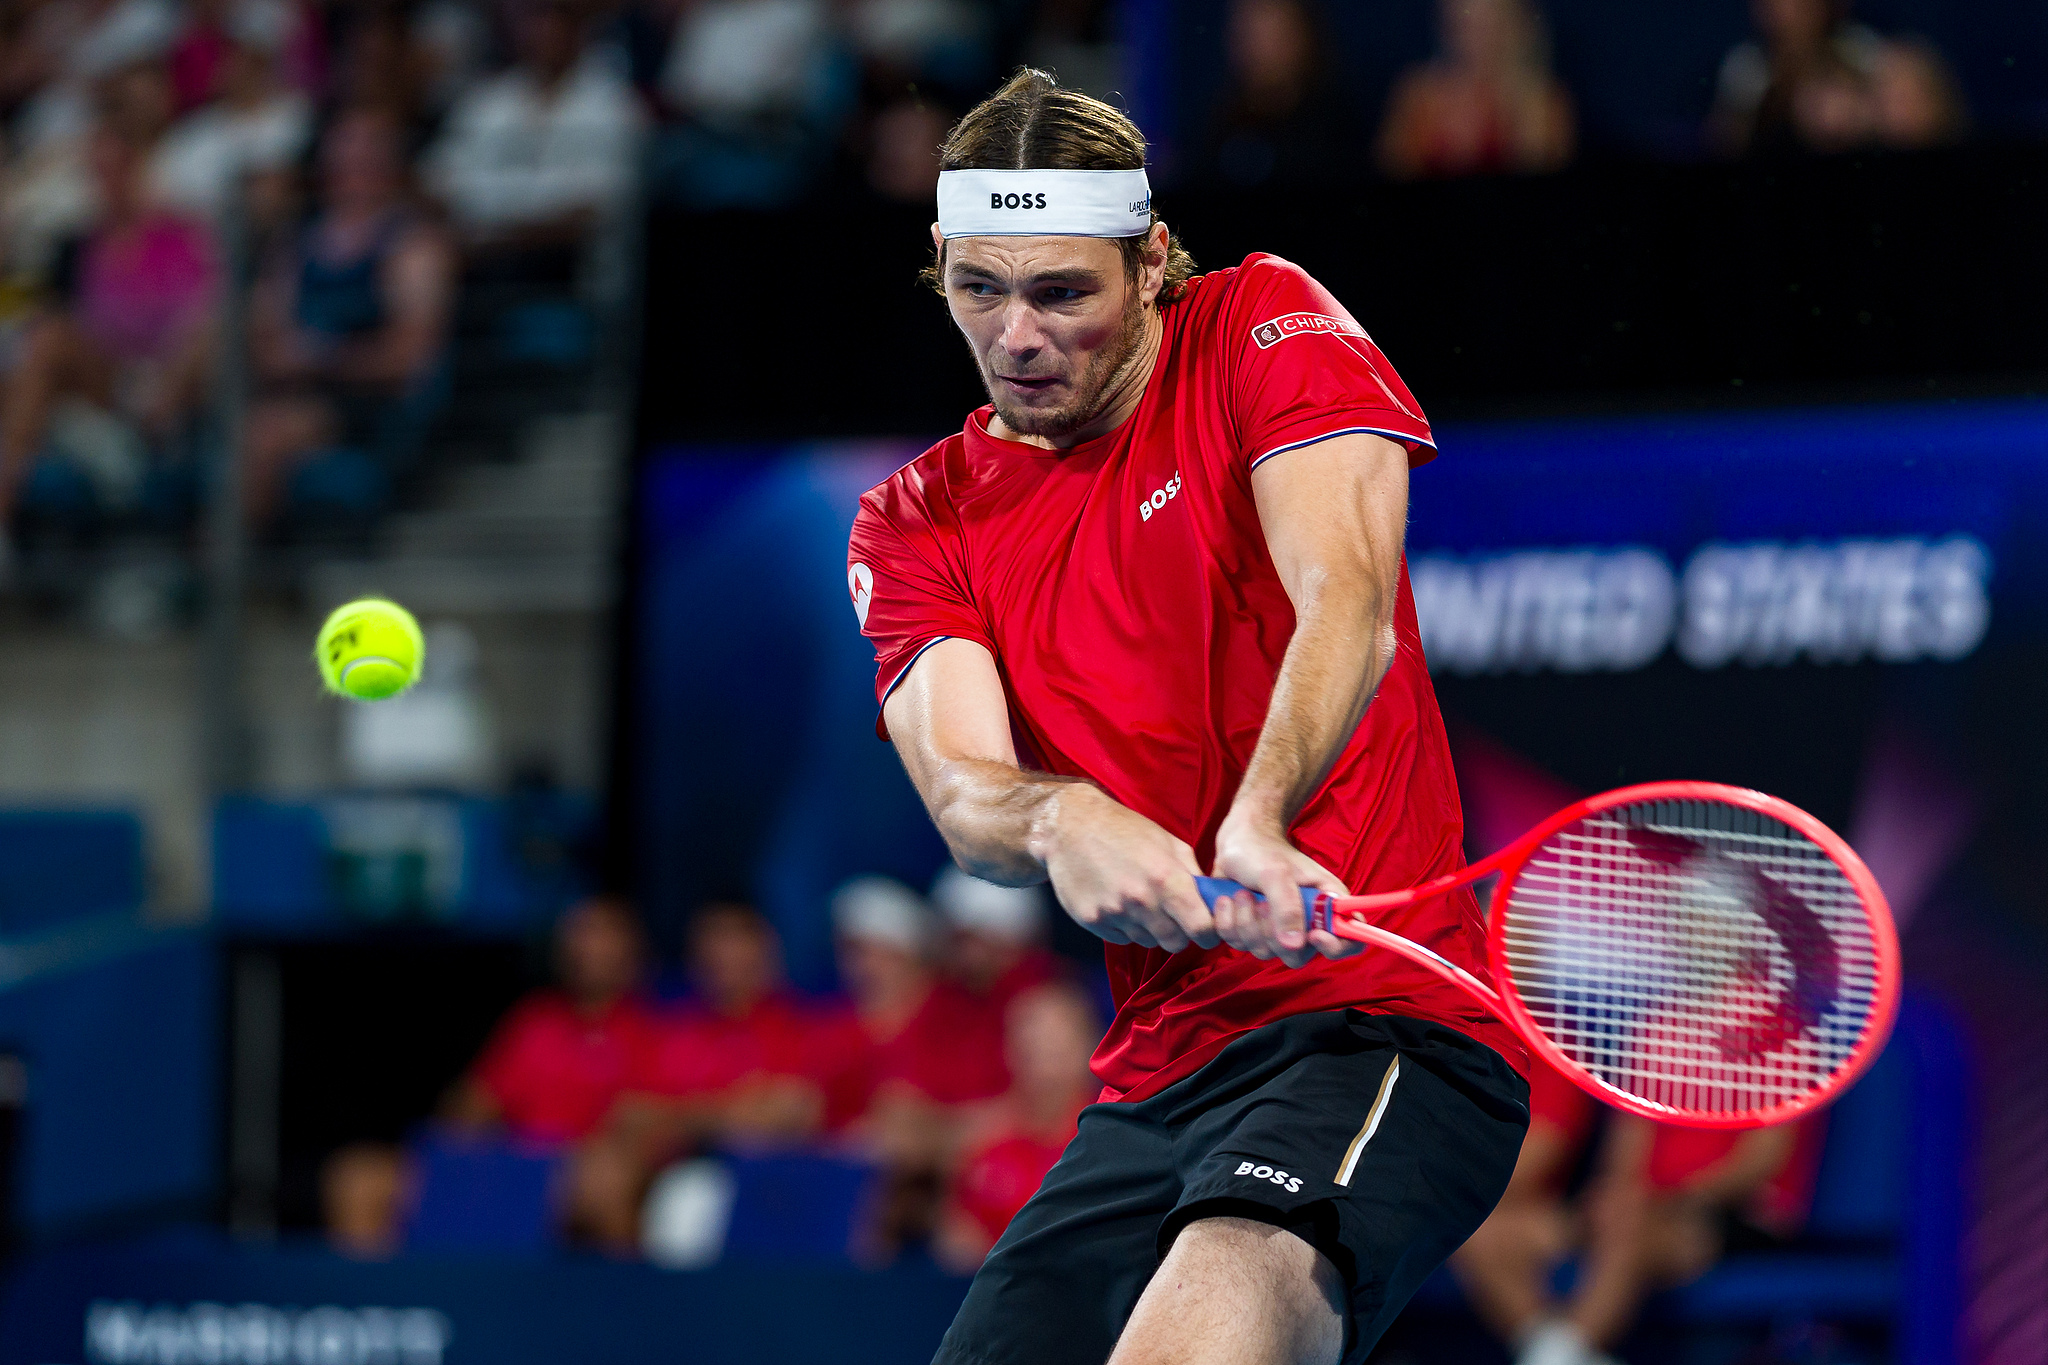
(1120, 401)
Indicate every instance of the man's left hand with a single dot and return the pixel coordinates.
(1258, 855)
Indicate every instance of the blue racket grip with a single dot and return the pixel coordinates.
(1314, 905)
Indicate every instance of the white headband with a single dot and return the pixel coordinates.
(1044, 203)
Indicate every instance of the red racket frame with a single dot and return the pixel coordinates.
(1342, 915)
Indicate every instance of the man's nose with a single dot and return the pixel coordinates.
(1022, 336)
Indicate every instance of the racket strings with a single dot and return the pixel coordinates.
(1694, 954)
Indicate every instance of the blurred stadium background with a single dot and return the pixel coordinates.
(579, 325)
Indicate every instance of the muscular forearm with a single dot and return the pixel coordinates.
(1000, 822)
(1343, 644)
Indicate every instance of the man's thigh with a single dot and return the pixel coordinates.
(1382, 1142)
(1062, 1280)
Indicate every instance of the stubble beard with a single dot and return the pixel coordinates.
(1104, 375)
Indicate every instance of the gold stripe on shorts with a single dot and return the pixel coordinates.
(1372, 1122)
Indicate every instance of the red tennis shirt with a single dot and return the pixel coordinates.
(1126, 592)
(555, 1071)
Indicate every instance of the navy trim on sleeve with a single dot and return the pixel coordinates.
(1401, 436)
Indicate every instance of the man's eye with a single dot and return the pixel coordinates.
(980, 290)
(1060, 293)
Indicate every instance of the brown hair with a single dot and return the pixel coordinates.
(1032, 124)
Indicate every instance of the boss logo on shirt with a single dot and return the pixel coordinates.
(1290, 1183)
(1276, 330)
(1160, 497)
(860, 581)
(1016, 201)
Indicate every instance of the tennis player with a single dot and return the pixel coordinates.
(1128, 623)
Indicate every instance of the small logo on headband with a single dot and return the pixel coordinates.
(1142, 205)
(1016, 201)
(1276, 330)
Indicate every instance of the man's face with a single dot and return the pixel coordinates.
(1054, 324)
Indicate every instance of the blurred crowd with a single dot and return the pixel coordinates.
(362, 161)
(1490, 101)
(951, 1071)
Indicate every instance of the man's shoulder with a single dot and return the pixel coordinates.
(907, 495)
(1241, 295)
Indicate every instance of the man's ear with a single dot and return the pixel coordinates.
(938, 242)
(1154, 281)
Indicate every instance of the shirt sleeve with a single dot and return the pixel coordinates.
(907, 592)
(1306, 371)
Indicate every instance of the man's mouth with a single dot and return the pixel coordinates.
(1028, 385)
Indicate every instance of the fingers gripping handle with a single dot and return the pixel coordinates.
(1317, 905)
(1322, 914)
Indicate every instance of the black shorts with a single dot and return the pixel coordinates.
(1383, 1141)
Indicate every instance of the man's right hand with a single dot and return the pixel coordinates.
(1120, 876)
(1123, 878)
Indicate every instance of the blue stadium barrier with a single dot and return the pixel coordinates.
(795, 1206)
(482, 1194)
(148, 1303)
(60, 865)
(120, 1035)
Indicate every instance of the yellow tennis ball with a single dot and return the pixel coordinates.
(370, 649)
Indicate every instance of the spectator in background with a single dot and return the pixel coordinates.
(1051, 1032)
(903, 139)
(734, 62)
(904, 1061)
(378, 65)
(248, 124)
(994, 952)
(1814, 80)
(557, 1063)
(997, 949)
(365, 1191)
(126, 353)
(1279, 122)
(1505, 1267)
(760, 90)
(538, 155)
(64, 49)
(350, 321)
(51, 195)
(1663, 1205)
(742, 1064)
(1487, 103)
(209, 33)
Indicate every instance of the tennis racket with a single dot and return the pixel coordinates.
(1697, 954)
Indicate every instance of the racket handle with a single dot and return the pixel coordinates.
(1314, 903)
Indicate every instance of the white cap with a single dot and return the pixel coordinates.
(882, 910)
(1007, 912)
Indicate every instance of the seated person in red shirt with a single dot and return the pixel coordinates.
(559, 1060)
(1663, 1205)
(914, 1048)
(907, 1058)
(742, 1063)
(1051, 1031)
(736, 1063)
(993, 952)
